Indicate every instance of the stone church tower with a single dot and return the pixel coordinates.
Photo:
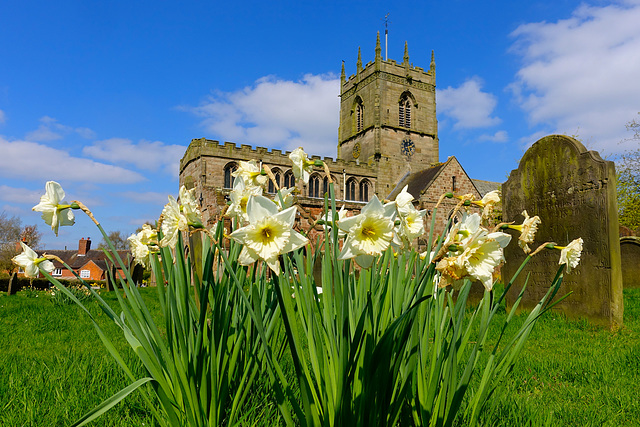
(388, 118)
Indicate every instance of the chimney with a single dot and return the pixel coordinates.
(84, 245)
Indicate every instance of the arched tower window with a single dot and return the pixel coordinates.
(314, 186)
(325, 185)
(404, 112)
(351, 189)
(277, 174)
(228, 178)
(364, 190)
(289, 179)
(358, 115)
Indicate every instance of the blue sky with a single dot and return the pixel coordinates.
(104, 97)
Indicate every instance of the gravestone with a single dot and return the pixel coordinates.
(630, 256)
(573, 191)
(13, 284)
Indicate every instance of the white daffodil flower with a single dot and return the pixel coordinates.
(269, 233)
(411, 220)
(30, 262)
(479, 253)
(368, 234)
(302, 166)
(342, 214)
(239, 197)
(140, 243)
(55, 211)
(173, 222)
(251, 174)
(527, 231)
(488, 202)
(571, 253)
(190, 206)
(404, 201)
(411, 225)
(284, 194)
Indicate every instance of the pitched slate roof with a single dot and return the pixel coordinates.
(75, 261)
(485, 187)
(417, 181)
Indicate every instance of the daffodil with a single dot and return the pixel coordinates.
(239, 197)
(189, 206)
(269, 233)
(571, 253)
(488, 203)
(251, 174)
(328, 221)
(527, 231)
(142, 243)
(173, 221)
(411, 219)
(55, 211)
(302, 166)
(477, 253)
(30, 262)
(284, 198)
(368, 234)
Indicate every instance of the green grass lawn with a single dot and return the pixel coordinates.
(54, 369)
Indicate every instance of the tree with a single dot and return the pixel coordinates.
(12, 232)
(118, 239)
(628, 182)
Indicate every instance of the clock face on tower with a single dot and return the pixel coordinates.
(356, 150)
(407, 147)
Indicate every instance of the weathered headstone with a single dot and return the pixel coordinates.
(573, 191)
(630, 256)
(13, 284)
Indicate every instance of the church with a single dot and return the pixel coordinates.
(387, 139)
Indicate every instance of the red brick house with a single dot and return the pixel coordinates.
(90, 265)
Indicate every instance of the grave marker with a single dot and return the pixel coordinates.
(630, 256)
(573, 191)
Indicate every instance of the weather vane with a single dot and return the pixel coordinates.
(386, 34)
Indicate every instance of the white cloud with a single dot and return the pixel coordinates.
(3, 117)
(147, 155)
(33, 161)
(19, 195)
(277, 114)
(499, 136)
(51, 130)
(580, 75)
(468, 105)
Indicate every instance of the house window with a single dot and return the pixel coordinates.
(351, 189)
(271, 188)
(289, 179)
(404, 112)
(364, 191)
(57, 272)
(85, 274)
(229, 169)
(314, 186)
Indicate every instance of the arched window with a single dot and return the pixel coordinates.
(314, 186)
(325, 186)
(277, 174)
(404, 112)
(289, 179)
(359, 117)
(351, 189)
(228, 178)
(364, 190)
